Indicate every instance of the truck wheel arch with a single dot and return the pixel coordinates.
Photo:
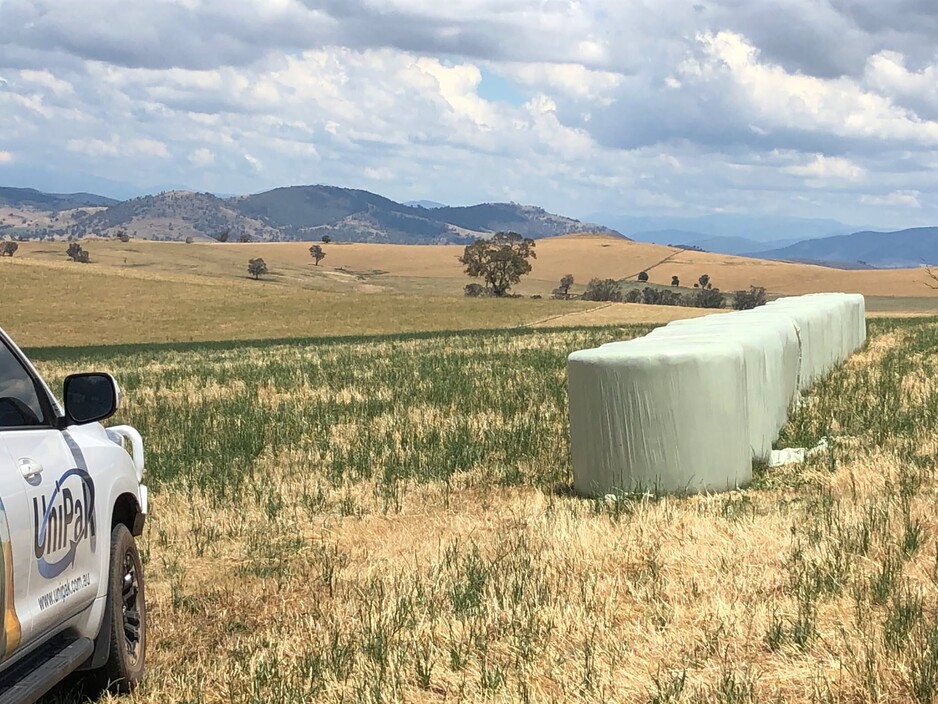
(127, 511)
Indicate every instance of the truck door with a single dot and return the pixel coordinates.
(51, 515)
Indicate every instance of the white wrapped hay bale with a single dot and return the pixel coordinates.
(852, 306)
(772, 358)
(833, 326)
(783, 325)
(819, 340)
(666, 416)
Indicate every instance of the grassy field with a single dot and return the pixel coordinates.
(163, 291)
(58, 303)
(391, 519)
(374, 268)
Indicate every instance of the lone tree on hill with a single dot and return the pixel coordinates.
(9, 249)
(563, 291)
(675, 281)
(704, 281)
(316, 253)
(77, 254)
(326, 239)
(603, 290)
(500, 261)
(223, 235)
(244, 239)
(257, 267)
(643, 277)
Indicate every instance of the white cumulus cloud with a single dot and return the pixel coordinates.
(202, 157)
(823, 109)
(905, 199)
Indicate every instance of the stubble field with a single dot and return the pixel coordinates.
(390, 519)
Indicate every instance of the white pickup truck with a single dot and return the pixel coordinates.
(71, 502)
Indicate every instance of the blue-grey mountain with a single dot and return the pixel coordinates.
(295, 213)
(902, 248)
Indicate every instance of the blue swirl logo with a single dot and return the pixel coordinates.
(63, 521)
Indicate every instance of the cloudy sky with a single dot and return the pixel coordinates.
(810, 108)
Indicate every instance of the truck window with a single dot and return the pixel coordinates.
(19, 402)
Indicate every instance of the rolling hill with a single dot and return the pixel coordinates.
(902, 248)
(175, 291)
(31, 198)
(175, 215)
(428, 204)
(302, 213)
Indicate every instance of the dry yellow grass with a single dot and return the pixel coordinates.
(417, 268)
(622, 314)
(144, 291)
(588, 256)
(163, 292)
(72, 304)
(396, 526)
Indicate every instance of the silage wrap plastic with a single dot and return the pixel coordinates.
(772, 356)
(770, 324)
(666, 416)
(833, 326)
(686, 408)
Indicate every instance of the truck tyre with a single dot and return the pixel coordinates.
(128, 620)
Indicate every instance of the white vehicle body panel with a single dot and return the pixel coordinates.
(58, 488)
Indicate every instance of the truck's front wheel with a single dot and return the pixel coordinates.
(128, 623)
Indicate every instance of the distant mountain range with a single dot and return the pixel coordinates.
(901, 248)
(739, 246)
(292, 213)
(31, 198)
(768, 229)
(311, 212)
(866, 249)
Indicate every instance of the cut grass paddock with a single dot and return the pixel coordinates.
(390, 519)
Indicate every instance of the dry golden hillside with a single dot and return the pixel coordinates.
(587, 256)
(155, 291)
(423, 268)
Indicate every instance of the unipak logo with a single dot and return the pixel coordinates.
(63, 521)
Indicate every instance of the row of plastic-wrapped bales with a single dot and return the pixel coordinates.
(688, 407)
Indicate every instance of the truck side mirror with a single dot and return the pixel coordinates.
(90, 397)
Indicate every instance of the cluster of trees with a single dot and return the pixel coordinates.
(747, 300)
(225, 236)
(611, 290)
(703, 296)
(563, 291)
(502, 260)
(76, 253)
